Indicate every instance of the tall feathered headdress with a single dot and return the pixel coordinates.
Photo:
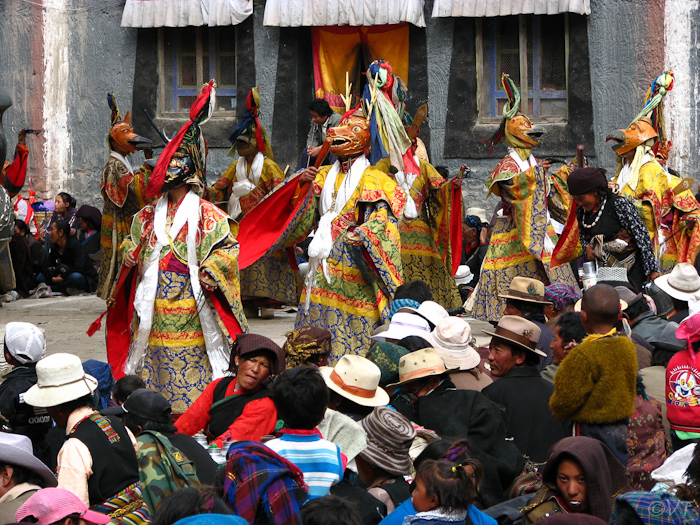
(188, 142)
(510, 109)
(654, 109)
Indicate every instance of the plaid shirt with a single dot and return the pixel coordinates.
(659, 508)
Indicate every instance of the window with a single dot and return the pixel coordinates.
(533, 50)
(192, 56)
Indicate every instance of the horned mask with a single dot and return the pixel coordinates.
(351, 137)
(122, 137)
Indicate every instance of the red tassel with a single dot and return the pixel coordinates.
(96, 325)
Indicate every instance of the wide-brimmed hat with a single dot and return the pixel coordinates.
(17, 450)
(60, 378)
(419, 364)
(429, 310)
(452, 338)
(526, 289)
(389, 438)
(246, 344)
(356, 378)
(24, 341)
(627, 296)
(519, 331)
(682, 283)
(51, 505)
(404, 324)
(463, 275)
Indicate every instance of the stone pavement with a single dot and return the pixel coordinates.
(66, 319)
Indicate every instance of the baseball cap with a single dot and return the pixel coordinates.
(51, 505)
(24, 342)
(148, 404)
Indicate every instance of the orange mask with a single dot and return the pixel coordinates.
(626, 140)
(124, 140)
(520, 133)
(350, 138)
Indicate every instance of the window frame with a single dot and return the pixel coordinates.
(495, 91)
(199, 76)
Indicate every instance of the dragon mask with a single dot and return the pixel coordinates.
(351, 137)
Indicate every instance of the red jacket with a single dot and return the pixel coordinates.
(683, 392)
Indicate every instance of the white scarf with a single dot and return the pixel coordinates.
(122, 158)
(144, 300)
(322, 243)
(410, 211)
(245, 183)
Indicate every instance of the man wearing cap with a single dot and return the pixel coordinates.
(525, 298)
(24, 346)
(683, 285)
(21, 474)
(596, 384)
(513, 356)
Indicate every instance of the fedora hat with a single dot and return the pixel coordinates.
(356, 378)
(518, 331)
(464, 275)
(389, 438)
(452, 338)
(682, 283)
(526, 289)
(60, 378)
(404, 324)
(419, 364)
(429, 310)
(17, 450)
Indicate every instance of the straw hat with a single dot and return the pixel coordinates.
(17, 450)
(452, 339)
(518, 331)
(429, 310)
(389, 438)
(526, 289)
(464, 275)
(404, 324)
(357, 379)
(60, 378)
(682, 283)
(420, 364)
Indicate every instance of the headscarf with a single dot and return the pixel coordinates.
(561, 295)
(386, 356)
(397, 304)
(105, 381)
(305, 342)
(585, 180)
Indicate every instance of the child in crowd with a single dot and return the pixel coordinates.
(330, 509)
(443, 494)
(301, 396)
(54, 506)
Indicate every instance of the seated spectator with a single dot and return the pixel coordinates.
(384, 463)
(525, 298)
(330, 509)
(63, 209)
(596, 384)
(125, 386)
(263, 487)
(658, 332)
(562, 298)
(67, 266)
(238, 408)
(89, 232)
(643, 347)
(36, 249)
(682, 386)
(192, 502)
(452, 338)
(413, 343)
(94, 444)
(21, 474)
(581, 476)
(474, 246)
(683, 286)
(24, 346)
(428, 310)
(300, 397)
(442, 494)
(105, 381)
(410, 294)
(568, 333)
(167, 461)
(211, 519)
(402, 325)
(307, 346)
(354, 386)
(386, 356)
(463, 277)
(322, 118)
(56, 506)
(513, 356)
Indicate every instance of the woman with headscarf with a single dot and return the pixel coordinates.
(582, 476)
(307, 346)
(610, 228)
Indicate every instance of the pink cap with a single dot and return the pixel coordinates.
(51, 505)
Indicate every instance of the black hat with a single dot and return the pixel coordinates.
(148, 405)
(585, 180)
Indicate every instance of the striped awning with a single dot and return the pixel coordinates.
(317, 13)
(484, 8)
(183, 13)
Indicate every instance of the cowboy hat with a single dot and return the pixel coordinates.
(682, 283)
(356, 378)
(519, 331)
(429, 310)
(419, 364)
(452, 339)
(526, 289)
(404, 324)
(16, 450)
(60, 378)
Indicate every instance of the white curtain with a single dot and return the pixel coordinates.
(182, 13)
(484, 8)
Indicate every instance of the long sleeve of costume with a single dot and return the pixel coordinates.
(559, 201)
(270, 177)
(219, 191)
(632, 222)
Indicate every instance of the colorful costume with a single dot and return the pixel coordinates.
(243, 185)
(187, 301)
(13, 177)
(124, 193)
(523, 237)
(667, 207)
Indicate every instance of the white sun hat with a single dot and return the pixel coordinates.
(60, 379)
